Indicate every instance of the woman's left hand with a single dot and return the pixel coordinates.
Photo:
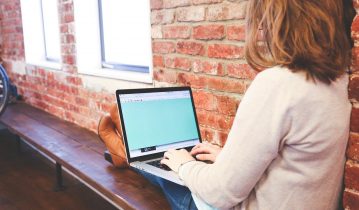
(175, 158)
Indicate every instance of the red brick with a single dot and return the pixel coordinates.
(205, 100)
(59, 112)
(163, 47)
(227, 105)
(108, 97)
(354, 122)
(74, 80)
(208, 67)
(105, 107)
(39, 104)
(207, 134)
(85, 93)
(158, 61)
(353, 147)
(73, 108)
(50, 76)
(225, 51)
(165, 76)
(193, 80)
(236, 33)
(195, 2)
(41, 72)
(162, 16)
(156, 4)
(68, 49)
(55, 93)
(67, 7)
(355, 60)
(69, 68)
(178, 63)
(228, 11)
(355, 28)
(351, 200)
(176, 32)
(85, 111)
(69, 59)
(68, 18)
(55, 101)
(190, 48)
(222, 137)
(215, 120)
(351, 176)
(226, 85)
(241, 71)
(69, 116)
(69, 98)
(207, 32)
(354, 87)
(175, 3)
(191, 14)
(68, 39)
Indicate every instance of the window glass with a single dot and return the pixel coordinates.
(125, 37)
(51, 29)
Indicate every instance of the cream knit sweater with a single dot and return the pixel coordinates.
(286, 148)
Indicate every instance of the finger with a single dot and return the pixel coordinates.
(167, 155)
(165, 162)
(197, 146)
(200, 150)
(204, 157)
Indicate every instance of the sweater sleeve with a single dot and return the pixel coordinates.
(259, 129)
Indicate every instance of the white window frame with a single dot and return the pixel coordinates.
(34, 36)
(88, 45)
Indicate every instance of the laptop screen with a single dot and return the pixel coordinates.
(157, 121)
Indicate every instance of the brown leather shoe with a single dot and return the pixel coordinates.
(113, 141)
(115, 116)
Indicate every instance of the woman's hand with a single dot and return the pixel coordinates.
(206, 151)
(175, 158)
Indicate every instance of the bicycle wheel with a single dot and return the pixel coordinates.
(4, 89)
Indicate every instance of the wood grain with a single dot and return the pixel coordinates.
(80, 151)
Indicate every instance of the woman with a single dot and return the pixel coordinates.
(286, 148)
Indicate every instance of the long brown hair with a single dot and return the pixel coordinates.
(302, 35)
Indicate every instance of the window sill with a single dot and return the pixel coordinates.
(118, 74)
(46, 64)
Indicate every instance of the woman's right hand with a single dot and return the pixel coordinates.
(206, 151)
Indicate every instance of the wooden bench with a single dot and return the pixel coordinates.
(80, 152)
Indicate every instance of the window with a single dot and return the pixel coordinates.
(50, 22)
(113, 39)
(124, 28)
(41, 32)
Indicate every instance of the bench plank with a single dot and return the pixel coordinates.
(81, 152)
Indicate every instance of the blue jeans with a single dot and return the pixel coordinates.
(179, 197)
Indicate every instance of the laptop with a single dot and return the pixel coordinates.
(155, 120)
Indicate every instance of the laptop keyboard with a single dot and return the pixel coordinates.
(157, 163)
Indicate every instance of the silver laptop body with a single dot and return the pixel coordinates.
(154, 120)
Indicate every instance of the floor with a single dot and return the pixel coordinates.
(27, 182)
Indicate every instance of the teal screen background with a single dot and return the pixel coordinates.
(158, 122)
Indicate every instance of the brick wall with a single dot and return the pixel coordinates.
(59, 92)
(351, 193)
(195, 42)
(200, 43)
